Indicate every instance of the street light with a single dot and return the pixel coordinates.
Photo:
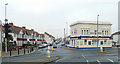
(64, 35)
(97, 30)
(5, 24)
(6, 13)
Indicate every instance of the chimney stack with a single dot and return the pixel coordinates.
(32, 29)
(11, 24)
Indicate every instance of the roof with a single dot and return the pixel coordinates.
(49, 35)
(17, 29)
(41, 35)
(90, 22)
(116, 33)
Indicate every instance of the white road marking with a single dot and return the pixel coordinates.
(85, 59)
(58, 60)
(98, 61)
(110, 60)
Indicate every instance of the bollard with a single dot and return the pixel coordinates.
(24, 51)
(52, 48)
(48, 51)
(101, 49)
(28, 50)
(18, 51)
(10, 53)
(32, 48)
(0, 54)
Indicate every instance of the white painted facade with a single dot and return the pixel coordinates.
(84, 34)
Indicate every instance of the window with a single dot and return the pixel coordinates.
(101, 42)
(74, 43)
(105, 42)
(87, 32)
(82, 32)
(95, 32)
(102, 32)
(85, 42)
(89, 42)
(77, 42)
(72, 33)
(105, 32)
(94, 42)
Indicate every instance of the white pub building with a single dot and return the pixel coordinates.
(84, 35)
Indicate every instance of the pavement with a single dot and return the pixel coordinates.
(15, 53)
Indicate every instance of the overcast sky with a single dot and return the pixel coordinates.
(51, 15)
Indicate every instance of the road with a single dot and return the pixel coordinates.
(74, 55)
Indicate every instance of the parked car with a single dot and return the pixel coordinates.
(54, 46)
(65, 45)
(45, 45)
(49, 44)
(62, 44)
(40, 46)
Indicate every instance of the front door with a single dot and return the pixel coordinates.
(89, 42)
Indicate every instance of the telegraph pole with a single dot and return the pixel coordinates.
(97, 31)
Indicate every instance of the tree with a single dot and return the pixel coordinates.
(8, 44)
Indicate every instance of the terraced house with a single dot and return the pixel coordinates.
(21, 35)
(49, 38)
(84, 35)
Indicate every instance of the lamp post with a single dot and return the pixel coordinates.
(64, 35)
(6, 23)
(1, 40)
(97, 30)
